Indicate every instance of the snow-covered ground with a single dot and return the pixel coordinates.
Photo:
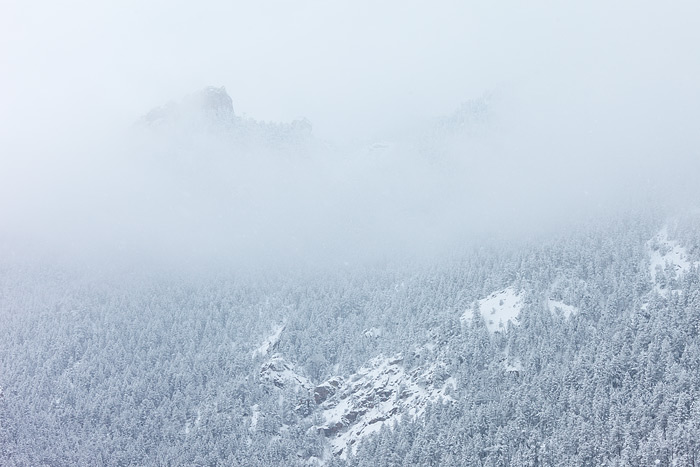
(270, 343)
(254, 417)
(512, 365)
(499, 308)
(384, 390)
(377, 395)
(669, 256)
(566, 310)
(280, 373)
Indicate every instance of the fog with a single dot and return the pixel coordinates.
(430, 125)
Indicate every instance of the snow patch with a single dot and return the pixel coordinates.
(566, 310)
(254, 417)
(270, 343)
(195, 425)
(373, 332)
(666, 256)
(499, 308)
(512, 366)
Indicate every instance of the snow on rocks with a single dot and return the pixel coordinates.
(499, 308)
(270, 343)
(668, 257)
(207, 107)
(377, 395)
(280, 373)
(327, 389)
(276, 370)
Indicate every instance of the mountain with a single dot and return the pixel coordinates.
(379, 394)
(578, 348)
(269, 300)
(211, 110)
(211, 105)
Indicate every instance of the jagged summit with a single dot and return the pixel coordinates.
(209, 105)
(213, 99)
(212, 103)
(211, 110)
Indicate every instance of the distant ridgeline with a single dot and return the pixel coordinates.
(211, 110)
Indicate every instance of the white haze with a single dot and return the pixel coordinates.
(591, 107)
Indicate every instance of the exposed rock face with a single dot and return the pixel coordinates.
(377, 394)
(280, 373)
(210, 111)
(214, 102)
(327, 389)
(210, 106)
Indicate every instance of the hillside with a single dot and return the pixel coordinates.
(401, 363)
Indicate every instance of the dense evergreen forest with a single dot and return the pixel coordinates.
(349, 233)
(125, 366)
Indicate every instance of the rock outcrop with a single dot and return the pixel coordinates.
(279, 373)
(378, 394)
(211, 106)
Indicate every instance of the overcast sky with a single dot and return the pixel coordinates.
(355, 67)
(593, 100)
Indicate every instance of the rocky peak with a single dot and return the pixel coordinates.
(210, 106)
(212, 101)
(327, 389)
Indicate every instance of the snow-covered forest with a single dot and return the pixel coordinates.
(349, 234)
(393, 364)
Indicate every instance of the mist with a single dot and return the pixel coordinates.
(349, 233)
(357, 131)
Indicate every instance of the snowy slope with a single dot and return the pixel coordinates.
(667, 256)
(566, 310)
(379, 394)
(499, 308)
(270, 343)
(280, 373)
